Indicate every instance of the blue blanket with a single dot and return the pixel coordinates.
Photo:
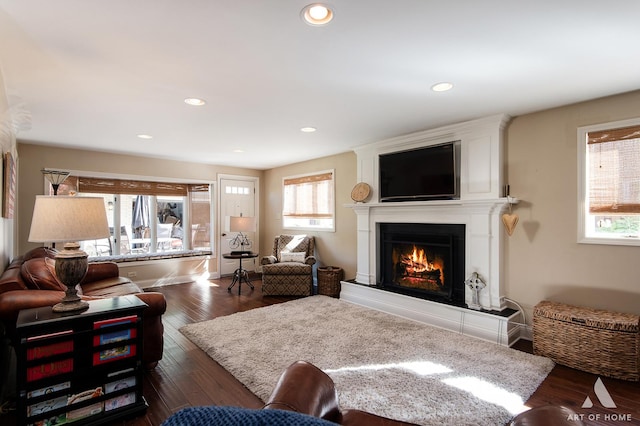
(234, 416)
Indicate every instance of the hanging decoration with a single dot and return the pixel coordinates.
(510, 219)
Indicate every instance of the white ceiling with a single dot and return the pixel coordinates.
(95, 73)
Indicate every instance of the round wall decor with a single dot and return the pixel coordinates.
(360, 192)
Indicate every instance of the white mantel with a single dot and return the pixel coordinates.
(479, 208)
(482, 241)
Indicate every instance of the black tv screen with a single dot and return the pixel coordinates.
(420, 174)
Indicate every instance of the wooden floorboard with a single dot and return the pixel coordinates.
(186, 376)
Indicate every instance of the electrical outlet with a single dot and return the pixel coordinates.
(132, 274)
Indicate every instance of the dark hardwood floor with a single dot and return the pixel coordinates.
(186, 376)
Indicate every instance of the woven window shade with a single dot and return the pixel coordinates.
(612, 135)
(308, 179)
(309, 196)
(614, 171)
(199, 187)
(136, 187)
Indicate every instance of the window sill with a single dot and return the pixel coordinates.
(622, 241)
(150, 256)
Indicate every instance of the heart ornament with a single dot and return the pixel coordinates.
(510, 221)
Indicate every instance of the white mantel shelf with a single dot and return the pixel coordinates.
(436, 204)
(490, 327)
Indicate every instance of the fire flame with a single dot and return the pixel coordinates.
(417, 263)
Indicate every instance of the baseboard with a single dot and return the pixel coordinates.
(526, 332)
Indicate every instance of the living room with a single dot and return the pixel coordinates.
(545, 184)
(544, 236)
(541, 260)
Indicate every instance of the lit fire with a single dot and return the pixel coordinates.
(416, 264)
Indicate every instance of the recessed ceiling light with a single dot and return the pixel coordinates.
(144, 136)
(442, 87)
(317, 14)
(194, 101)
(308, 129)
(239, 151)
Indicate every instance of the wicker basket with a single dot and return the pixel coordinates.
(597, 341)
(329, 278)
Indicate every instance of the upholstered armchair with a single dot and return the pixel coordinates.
(289, 270)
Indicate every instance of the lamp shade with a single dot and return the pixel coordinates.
(242, 224)
(59, 219)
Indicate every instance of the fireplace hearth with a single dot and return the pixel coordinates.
(423, 260)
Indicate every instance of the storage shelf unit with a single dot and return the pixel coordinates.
(84, 368)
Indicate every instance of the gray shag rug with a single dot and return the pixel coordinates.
(381, 363)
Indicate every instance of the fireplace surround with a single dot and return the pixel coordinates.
(478, 212)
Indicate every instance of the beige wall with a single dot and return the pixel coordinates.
(7, 144)
(33, 158)
(543, 259)
(333, 248)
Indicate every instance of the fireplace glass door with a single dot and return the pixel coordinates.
(423, 260)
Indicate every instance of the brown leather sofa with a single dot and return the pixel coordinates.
(30, 282)
(304, 388)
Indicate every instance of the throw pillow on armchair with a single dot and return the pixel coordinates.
(293, 257)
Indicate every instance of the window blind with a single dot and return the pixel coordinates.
(614, 171)
(136, 187)
(309, 196)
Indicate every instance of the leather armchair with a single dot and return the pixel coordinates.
(288, 271)
(30, 282)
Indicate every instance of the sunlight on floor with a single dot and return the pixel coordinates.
(489, 392)
(422, 368)
(205, 280)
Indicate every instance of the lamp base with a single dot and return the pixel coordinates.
(70, 306)
(71, 267)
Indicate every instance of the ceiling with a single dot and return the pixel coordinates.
(94, 74)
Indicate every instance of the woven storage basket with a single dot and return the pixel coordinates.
(329, 278)
(597, 341)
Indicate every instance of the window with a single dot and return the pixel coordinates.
(147, 217)
(610, 183)
(308, 202)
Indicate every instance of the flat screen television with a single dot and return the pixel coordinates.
(429, 173)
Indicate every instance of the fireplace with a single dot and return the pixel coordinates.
(424, 260)
(474, 249)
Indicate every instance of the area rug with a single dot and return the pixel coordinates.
(380, 363)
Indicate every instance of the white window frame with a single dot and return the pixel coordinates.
(332, 207)
(187, 242)
(584, 235)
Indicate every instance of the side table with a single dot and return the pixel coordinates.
(240, 274)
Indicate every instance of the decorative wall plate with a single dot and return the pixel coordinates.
(360, 192)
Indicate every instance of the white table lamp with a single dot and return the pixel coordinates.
(65, 219)
(241, 224)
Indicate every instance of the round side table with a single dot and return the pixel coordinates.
(240, 274)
